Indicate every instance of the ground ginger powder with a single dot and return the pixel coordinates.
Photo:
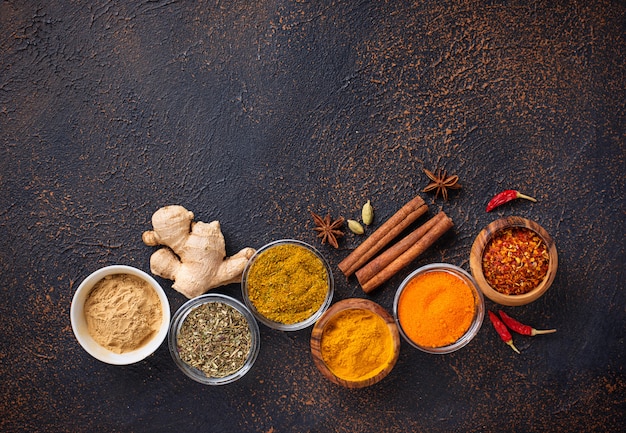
(356, 344)
(123, 312)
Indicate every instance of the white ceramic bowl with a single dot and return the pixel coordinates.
(79, 324)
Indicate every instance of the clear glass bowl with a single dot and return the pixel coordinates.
(179, 319)
(277, 325)
(479, 307)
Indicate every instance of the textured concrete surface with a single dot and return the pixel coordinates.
(254, 114)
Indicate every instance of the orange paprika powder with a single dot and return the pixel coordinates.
(436, 308)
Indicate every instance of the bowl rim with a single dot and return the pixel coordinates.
(478, 249)
(79, 325)
(282, 326)
(178, 320)
(479, 311)
(356, 304)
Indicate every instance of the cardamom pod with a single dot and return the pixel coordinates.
(367, 213)
(355, 227)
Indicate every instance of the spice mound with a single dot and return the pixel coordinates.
(123, 313)
(515, 261)
(287, 283)
(436, 308)
(215, 338)
(356, 344)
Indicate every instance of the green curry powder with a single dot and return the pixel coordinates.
(287, 283)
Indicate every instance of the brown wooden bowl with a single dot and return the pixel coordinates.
(478, 249)
(359, 304)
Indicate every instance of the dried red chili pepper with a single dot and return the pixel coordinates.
(505, 197)
(520, 328)
(500, 328)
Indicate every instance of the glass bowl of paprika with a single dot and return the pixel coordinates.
(287, 285)
(514, 261)
(438, 308)
(355, 343)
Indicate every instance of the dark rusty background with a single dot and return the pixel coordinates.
(254, 114)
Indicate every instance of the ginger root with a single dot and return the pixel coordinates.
(196, 255)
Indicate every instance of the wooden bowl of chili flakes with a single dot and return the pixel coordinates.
(514, 261)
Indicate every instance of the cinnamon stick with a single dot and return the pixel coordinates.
(366, 273)
(442, 225)
(407, 214)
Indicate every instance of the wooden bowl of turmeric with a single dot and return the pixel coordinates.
(514, 261)
(355, 343)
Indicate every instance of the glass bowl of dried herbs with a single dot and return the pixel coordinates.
(514, 261)
(214, 339)
(287, 285)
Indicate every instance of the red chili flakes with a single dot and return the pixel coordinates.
(515, 261)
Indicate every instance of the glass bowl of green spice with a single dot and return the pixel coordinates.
(214, 339)
(287, 285)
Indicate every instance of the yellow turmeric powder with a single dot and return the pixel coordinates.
(356, 344)
(287, 283)
(436, 308)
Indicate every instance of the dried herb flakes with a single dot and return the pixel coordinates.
(215, 338)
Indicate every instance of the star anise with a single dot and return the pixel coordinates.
(328, 230)
(441, 183)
